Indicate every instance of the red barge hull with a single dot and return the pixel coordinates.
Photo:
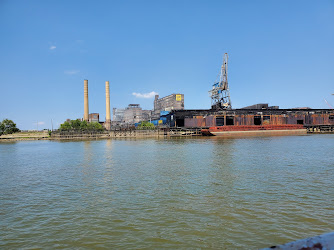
(255, 130)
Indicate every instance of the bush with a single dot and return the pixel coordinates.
(145, 125)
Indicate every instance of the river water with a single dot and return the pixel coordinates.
(173, 193)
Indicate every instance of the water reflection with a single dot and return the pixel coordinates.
(108, 163)
(87, 151)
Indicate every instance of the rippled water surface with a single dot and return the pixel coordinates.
(177, 193)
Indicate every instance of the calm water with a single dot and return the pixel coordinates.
(180, 193)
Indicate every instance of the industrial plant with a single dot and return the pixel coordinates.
(133, 114)
(169, 112)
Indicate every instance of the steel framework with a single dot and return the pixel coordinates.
(220, 93)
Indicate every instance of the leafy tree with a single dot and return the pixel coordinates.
(65, 126)
(84, 125)
(2, 128)
(95, 126)
(75, 124)
(8, 127)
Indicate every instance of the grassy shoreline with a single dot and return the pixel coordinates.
(25, 136)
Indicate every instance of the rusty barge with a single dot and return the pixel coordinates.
(264, 121)
(258, 119)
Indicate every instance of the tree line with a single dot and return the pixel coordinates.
(80, 125)
(9, 127)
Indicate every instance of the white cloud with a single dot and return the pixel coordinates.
(52, 47)
(39, 123)
(145, 95)
(71, 72)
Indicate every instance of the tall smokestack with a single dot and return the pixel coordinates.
(108, 120)
(86, 110)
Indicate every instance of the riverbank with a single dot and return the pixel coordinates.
(25, 136)
(155, 133)
(151, 133)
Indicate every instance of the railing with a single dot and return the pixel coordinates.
(319, 129)
(185, 131)
(73, 134)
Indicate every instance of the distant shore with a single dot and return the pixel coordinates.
(44, 135)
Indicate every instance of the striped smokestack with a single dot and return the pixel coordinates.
(86, 109)
(108, 120)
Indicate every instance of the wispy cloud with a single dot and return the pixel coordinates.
(52, 47)
(39, 123)
(145, 95)
(71, 72)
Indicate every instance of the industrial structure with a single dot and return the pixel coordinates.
(249, 117)
(222, 118)
(95, 117)
(107, 123)
(86, 106)
(261, 106)
(169, 111)
(134, 114)
(118, 116)
(130, 115)
(220, 92)
(167, 103)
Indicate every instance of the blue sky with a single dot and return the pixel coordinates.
(280, 52)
